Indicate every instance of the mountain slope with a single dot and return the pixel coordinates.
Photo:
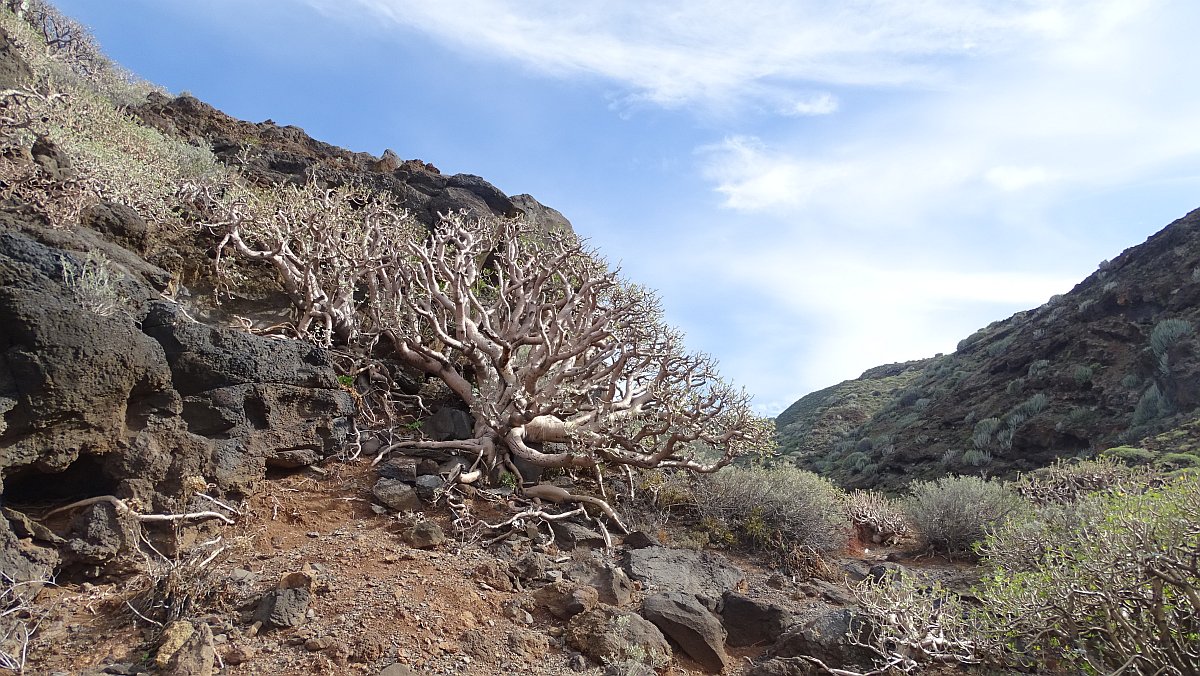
(1112, 361)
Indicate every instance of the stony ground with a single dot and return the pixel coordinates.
(376, 602)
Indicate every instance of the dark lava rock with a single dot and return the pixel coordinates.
(684, 570)
(751, 622)
(284, 607)
(689, 624)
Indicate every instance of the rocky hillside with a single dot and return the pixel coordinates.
(1111, 362)
(188, 492)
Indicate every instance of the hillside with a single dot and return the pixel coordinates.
(1110, 362)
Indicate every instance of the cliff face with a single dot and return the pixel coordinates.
(1113, 361)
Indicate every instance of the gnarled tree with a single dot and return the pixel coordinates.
(530, 329)
(546, 344)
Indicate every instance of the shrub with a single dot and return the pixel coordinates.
(876, 518)
(1115, 590)
(953, 513)
(976, 458)
(1039, 368)
(1129, 455)
(91, 283)
(1174, 461)
(1151, 406)
(984, 429)
(1067, 481)
(777, 510)
(1082, 374)
(912, 623)
(1168, 333)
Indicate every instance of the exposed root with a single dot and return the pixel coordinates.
(557, 495)
(123, 507)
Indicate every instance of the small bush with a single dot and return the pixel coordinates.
(1167, 334)
(953, 513)
(1151, 406)
(1174, 461)
(1039, 368)
(1129, 455)
(976, 458)
(1082, 374)
(984, 429)
(1067, 481)
(876, 518)
(1115, 589)
(91, 283)
(776, 509)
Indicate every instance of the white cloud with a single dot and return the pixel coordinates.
(686, 51)
(823, 103)
(752, 177)
(1017, 178)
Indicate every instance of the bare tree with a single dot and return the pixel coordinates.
(546, 344)
(531, 330)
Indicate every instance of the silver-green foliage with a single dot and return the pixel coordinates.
(953, 513)
(91, 283)
(1107, 585)
(779, 507)
(1166, 334)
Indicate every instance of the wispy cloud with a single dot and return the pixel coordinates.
(822, 103)
(705, 51)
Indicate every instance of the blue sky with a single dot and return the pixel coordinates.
(815, 188)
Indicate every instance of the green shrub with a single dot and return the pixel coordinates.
(1151, 406)
(1039, 368)
(1168, 333)
(976, 458)
(776, 510)
(1174, 461)
(1115, 589)
(1067, 481)
(1129, 455)
(953, 513)
(1082, 374)
(984, 429)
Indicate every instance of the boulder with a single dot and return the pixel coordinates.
(663, 569)
(196, 657)
(607, 634)
(402, 468)
(424, 534)
(397, 495)
(427, 485)
(827, 638)
(689, 624)
(284, 607)
(640, 540)
(566, 599)
(569, 535)
(610, 582)
(750, 622)
(448, 424)
(530, 566)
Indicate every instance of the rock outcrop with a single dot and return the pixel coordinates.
(106, 388)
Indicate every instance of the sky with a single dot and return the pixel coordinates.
(814, 187)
